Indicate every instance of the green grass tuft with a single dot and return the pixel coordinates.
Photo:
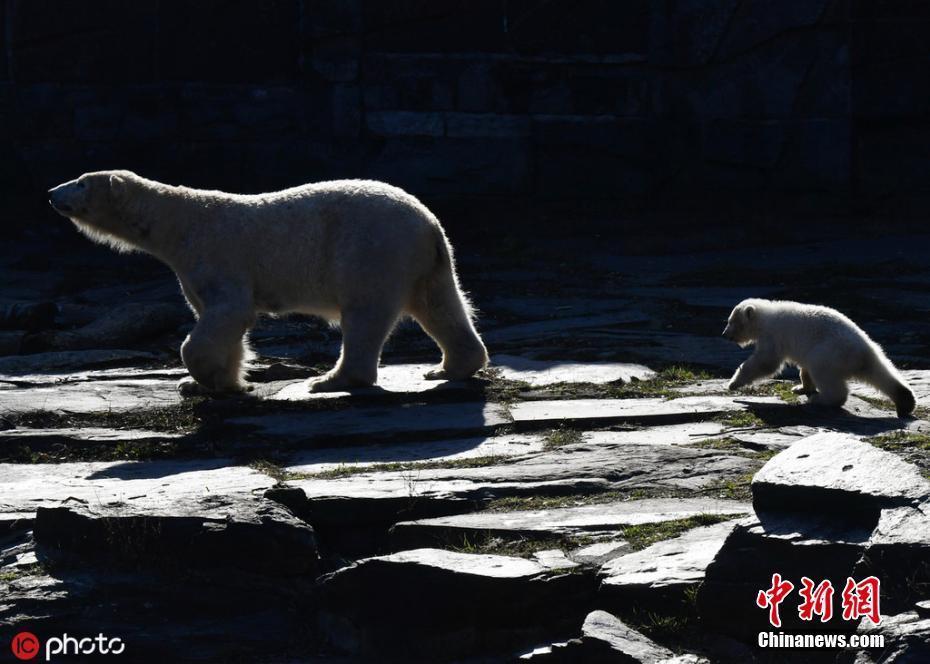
(647, 534)
(348, 470)
(742, 419)
(21, 572)
(561, 436)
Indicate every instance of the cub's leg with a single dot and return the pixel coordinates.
(760, 364)
(364, 331)
(214, 350)
(807, 385)
(831, 387)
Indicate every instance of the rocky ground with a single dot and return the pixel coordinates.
(596, 495)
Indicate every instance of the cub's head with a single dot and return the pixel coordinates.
(96, 203)
(743, 324)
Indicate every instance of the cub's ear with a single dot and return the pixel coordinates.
(750, 312)
(117, 187)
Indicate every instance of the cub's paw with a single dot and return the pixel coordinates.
(733, 386)
(800, 389)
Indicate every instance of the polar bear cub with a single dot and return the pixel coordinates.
(827, 346)
(358, 252)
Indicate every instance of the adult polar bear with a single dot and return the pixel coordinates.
(358, 252)
(827, 346)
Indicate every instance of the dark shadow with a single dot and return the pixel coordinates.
(134, 470)
(833, 419)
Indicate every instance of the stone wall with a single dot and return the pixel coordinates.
(694, 101)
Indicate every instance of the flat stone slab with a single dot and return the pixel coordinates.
(546, 372)
(102, 396)
(606, 638)
(237, 530)
(470, 417)
(600, 552)
(668, 434)
(907, 638)
(903, 526)
(197, 513)
(605, 635)
(571, 469)
(918, 379)
(153, 487)
(170, 374)
(78, 435)
(631, 410)
(454, 603)
(897, 553)
(62, 362)
(455, 449)
(836, 472)
(666, 568)
(604, 519)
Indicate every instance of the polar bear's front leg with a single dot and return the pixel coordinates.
(364, 331)
(759, 365)
(214, 350)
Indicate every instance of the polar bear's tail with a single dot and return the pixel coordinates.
(882, 375)
(443, 310)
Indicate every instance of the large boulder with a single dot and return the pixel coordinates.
(447, 605)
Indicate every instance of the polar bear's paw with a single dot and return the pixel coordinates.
(188, 388)
(335, 382)
(803, 390)
(436, 373)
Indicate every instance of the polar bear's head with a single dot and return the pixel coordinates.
(96, 203)
(743, 324)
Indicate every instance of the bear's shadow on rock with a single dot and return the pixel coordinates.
(361, 425)
(823, 417)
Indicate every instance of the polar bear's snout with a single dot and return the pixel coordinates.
(68, 198)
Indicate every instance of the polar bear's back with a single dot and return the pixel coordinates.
(319, 245)
(802, 327)
(347, 217)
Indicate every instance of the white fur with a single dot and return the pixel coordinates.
(358, 252)
(827, 346)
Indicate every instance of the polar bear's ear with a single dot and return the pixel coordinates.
(117, 187)
(750, 312)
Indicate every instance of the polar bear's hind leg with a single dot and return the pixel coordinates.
(445, 315)
(807, 386)
(832, 390)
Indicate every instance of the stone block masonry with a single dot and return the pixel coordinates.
(616, 102)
